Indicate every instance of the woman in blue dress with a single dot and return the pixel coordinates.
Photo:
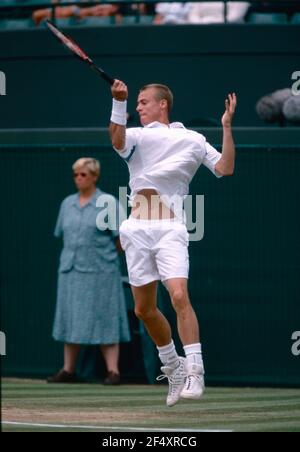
(91, 307)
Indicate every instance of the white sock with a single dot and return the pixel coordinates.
(193, 353)
(168, 354)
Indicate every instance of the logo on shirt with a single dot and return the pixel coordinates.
(296, 85)
(2, 84)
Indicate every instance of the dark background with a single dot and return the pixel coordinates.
(49, 88)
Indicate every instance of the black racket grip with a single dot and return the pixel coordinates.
(107, 78)
(103, 74)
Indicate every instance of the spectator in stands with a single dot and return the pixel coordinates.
(80, 12)
(118, 10)
(200, 13)
(64, 12)
(102, 10)
(280, 106)
(214, 12)
(91, 305)
(172, 13)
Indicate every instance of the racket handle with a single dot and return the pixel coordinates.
(103, 74)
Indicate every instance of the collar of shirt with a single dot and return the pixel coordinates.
(172, 125)
(92, 199)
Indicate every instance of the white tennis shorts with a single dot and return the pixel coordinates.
(155, 249)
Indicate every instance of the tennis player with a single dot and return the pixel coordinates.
(162, 158)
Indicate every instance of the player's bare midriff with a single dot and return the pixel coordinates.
(147, 205)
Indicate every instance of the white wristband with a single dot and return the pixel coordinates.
(119, 112)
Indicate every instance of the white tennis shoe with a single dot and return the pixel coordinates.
(194, 384)
(176, 377)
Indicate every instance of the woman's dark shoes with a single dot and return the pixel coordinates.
(112, 379)
(64, 377)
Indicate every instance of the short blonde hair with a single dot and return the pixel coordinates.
(162, 92)
(91, 164)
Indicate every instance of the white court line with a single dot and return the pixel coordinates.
(131, 429)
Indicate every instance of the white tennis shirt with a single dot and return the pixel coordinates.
(166, 157)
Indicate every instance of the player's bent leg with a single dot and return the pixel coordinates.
(189, 333)
(188, 327)
(145, 298)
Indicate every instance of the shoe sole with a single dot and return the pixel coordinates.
(172, 404)
(191, 396)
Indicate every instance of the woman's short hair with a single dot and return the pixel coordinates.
(91, 164)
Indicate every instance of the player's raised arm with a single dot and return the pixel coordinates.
(225, 165)
(117, 127)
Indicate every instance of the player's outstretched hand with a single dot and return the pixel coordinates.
(119, 90)
(230, 106)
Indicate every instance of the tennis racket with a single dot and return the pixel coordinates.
(72, 46)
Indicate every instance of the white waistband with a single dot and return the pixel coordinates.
(155, 222)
